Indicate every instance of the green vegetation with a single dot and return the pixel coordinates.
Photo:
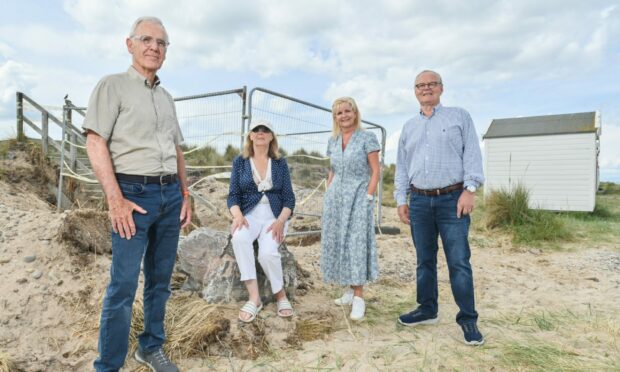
(388, 186)
(508, 209)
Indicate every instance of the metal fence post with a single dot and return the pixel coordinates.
(62, 159)
(20, 116)
(45, 132)
(243, 117)
(381, 166)
(72, 140)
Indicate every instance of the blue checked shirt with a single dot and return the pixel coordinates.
(437, 151)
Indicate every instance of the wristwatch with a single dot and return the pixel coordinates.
(370, 197)
(471, 188)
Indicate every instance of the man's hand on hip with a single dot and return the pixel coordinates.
(403, 213)
(465, 204)
(121, 216)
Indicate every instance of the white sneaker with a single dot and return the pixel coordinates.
(358, 309)
(346, 298)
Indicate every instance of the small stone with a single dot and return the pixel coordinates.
(21, 280)
(45, 242)
(59, 283)
(4, 260)
(30, 258)
(37, 274)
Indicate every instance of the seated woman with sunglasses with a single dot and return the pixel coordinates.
(260, 190)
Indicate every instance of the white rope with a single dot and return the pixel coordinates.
(306, 156)
(313, 192)
(77, 176)
(73, 144)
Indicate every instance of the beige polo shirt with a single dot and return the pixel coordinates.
(138, 121)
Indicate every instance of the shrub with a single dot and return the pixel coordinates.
(508, 209)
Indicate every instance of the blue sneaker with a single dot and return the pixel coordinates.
(156, 360)
(417, 317)
(472, 335)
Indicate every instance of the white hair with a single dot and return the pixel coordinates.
(429, 71)
(154, 20)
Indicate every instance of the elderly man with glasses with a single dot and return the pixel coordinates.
(439, 165)
(133, 142)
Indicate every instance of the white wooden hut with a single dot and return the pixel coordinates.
(555, 157)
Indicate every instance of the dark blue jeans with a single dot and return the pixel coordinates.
(433, 216)
(155, 242)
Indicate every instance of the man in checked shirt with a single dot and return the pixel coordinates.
(439, 164)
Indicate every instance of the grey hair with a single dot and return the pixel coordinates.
(432, 72)
(154, 20)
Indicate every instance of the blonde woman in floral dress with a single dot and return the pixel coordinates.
(349, 249)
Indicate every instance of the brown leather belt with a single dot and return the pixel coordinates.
(161, 180)
(436, 192)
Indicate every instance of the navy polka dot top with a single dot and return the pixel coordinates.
(244, 192)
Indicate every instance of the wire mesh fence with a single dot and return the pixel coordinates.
(303, 130)
(214, 126)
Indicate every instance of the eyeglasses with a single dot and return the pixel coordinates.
(261, 129)
(149, 40)
(432, 84)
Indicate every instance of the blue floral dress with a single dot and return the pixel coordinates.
(348, 245)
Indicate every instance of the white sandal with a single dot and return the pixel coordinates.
(284, 304)
(250, 308)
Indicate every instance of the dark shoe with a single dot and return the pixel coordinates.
(417, 317)
(156, 360)
(471, 334)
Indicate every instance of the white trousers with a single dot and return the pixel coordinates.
(259, 219)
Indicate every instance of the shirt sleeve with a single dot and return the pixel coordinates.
(288, 196)
(328, 152)
(103, 109)
(371, 144)
(178, 140)
(234, 190)
(401, 176)
(473, 174)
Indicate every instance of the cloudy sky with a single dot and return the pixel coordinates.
(497, 58)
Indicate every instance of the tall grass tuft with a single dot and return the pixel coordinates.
(508, 209)
(6, 363)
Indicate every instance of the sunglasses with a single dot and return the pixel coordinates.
(261, 129)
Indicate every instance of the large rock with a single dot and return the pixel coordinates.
(207, 257)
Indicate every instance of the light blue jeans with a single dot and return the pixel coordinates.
(155, 243)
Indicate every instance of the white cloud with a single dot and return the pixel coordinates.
(489, 52)
(610, 151)
(14, 76)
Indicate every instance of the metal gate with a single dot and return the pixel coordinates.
(214, 126)
(303, 130)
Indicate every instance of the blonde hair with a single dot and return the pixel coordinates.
(336, 105)
(273, 152)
